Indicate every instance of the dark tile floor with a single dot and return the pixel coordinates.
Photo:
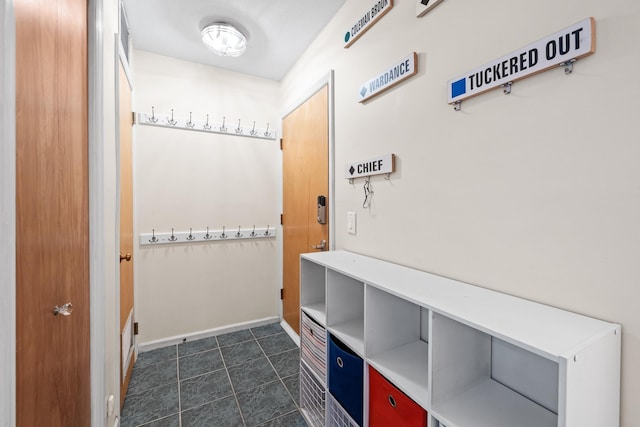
(245, 378)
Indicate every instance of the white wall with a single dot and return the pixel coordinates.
(534, 194)
(186, 179)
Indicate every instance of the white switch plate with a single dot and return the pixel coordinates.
(351, 222)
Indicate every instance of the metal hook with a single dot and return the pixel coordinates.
(238, 234)
(153, 239)
(351, 180)
(222, 128)
(266, 233)
(172, 238)
(507, 88)
(207, 236)
(172, 122)
(568, 66)
(238, 129)
(456, 105)
(253, 131)
(253, 233)
(223, 235)
(190, 124)
(207, 126)
(267, 133)
(191, 236)
(388, 177)
(153, 118)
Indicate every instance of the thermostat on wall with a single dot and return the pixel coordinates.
(424, 6)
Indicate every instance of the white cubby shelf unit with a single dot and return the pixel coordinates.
(470, 356)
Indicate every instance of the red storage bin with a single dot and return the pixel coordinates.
(388, 406)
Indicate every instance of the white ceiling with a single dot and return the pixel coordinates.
(279, 31)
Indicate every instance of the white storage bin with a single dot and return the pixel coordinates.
(313, 346)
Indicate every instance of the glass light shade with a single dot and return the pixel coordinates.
(224, 39)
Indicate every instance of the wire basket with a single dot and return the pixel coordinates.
(312, 397)
(337, 416)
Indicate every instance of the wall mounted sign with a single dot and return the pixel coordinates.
(377, 166)
(574, 42)
(391, 76)
(366, 21)
(424, 6)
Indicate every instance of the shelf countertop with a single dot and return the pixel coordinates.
(550, 332)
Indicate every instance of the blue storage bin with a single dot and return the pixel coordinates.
(346, 378)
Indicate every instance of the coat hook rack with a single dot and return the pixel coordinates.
(382, 165)
(202, 126)
(208, 236)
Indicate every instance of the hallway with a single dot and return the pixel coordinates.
(245, 378)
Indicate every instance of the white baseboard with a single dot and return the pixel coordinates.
(289, 330)
(152, 345)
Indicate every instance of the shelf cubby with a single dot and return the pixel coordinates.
(396, 342)
(464, 391)
(345, 314)
(313, 290)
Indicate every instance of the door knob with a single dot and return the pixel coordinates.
(126, 257)
(64, 310)
(322, 246)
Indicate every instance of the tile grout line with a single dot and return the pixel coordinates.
(233, 390)
(297, 403)
(276, 371)
(178, 376)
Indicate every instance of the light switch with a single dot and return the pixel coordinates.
(351, 222)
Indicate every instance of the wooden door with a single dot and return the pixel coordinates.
(126, 234)
(305, 135)
(53, 383)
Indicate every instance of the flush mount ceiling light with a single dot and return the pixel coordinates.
(224, 39)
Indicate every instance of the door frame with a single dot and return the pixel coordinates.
(97, 263)
(97, 224)
(328, 80)
(121, 59)
(8, 214)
